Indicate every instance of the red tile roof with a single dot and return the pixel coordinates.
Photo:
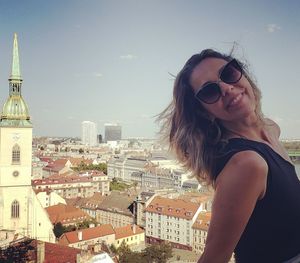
(173, 207)
(89, 233)
(66, 214)
(53, 252)
(46, 159)
(61, 180)
(202, 221)
(127, 231)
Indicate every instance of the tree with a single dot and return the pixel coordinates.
(86, 224)
(159, 253)
(113, 249)
(58, 229)
(81, 151)
(128, 256)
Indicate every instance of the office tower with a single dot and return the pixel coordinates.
(89, 133)
(112, 132)
(99, 138)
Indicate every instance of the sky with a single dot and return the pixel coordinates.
(112, 61)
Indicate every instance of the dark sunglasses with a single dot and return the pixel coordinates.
(211, 92)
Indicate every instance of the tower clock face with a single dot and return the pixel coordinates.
(16, 136)
(15, 173)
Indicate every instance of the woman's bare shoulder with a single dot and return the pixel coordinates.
(244, 166)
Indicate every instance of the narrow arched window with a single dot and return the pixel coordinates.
(16, 154)
(15, 209)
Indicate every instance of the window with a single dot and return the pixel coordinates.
(15, 209)
(16, 154)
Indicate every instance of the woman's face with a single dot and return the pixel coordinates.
(237, 101)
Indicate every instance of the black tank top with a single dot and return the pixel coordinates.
(272, 233)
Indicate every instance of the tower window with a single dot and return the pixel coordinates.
(15, 209)
(16, 154)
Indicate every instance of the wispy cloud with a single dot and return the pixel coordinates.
(145, 116)
(98, 74)
(88, 75)
(273, 27)
(128, 57)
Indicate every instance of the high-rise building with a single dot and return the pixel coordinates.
(112, 132)
(20, 210)
(89, 133)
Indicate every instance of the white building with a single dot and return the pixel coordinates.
(89, 133)
(171, 220)
(48, 198)
(20, 210)
(123, 167)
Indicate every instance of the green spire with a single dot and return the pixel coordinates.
(15, 112)
(15, 70)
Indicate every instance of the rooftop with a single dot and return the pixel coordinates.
(202, 221)
(127, 231)
(173, 207)
(87, 234)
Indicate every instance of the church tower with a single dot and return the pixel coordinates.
(20, 211)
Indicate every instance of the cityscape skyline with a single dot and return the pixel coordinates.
(112, 62)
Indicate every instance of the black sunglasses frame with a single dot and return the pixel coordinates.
(235, 64)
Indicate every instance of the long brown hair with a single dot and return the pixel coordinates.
(187, 126)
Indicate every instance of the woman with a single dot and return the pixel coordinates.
(217, 129)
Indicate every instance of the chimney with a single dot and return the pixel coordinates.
(79, 235)
(134, 228)
(40, 251)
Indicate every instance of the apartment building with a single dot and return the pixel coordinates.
(66, 215)
(123, 167)
(200, 228)
(90, 236)
(171, 220)
(131, 235)
(142, 201)
(116, 209)
(75, 185)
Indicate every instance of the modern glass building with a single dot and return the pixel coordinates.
(112, 132)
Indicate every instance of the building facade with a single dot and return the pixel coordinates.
(74, 186)
(86, 237)
(171, 220)
(122, 168)
(116, 209)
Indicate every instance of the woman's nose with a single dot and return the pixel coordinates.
(225, 88)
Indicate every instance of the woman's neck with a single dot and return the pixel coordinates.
(248, 129)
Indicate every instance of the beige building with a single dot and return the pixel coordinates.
(20, 209)
(90, 236)
(200, 228)
(171, 220)
(131, 235)
(72, 186)
(66, 215)
(116, 209)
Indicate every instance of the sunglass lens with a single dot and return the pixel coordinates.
(209, 93)
(231, 73)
